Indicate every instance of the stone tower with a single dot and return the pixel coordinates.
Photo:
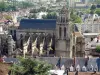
(63, 34)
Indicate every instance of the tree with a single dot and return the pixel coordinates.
(58, 1)
(98, 49)
(92, 9)
(92, 12)
(78, 20)
(33, 11)
(7, 17)
(98, 11)
(44, 16)
(24, 4)
(97, 1)
(3, 6)
(87, 11)
(75, 18)
(30, 67)
(42, 9)
(32, 16)
(51, 15)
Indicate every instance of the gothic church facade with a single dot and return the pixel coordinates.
(45, 37)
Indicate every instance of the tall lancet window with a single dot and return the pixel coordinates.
(60, 32)
(21, 42)
(63, 19)
(64, 32)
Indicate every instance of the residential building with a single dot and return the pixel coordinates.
(91, 23)
(90, 48)
(79, 3)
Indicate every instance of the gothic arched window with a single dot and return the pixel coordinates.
(61, 19)
(64, 32)
(21, 42)
(60, 32)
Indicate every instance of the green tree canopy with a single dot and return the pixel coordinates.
(3, 6)
(32, 16)
(98, 11)
(97, 1)
(98, 49)
(93, 7)
(34, 11)
(75, 18)
(58, 0)
(51, 15)
(26, 4)
(7, 17)
(30, 67)
(42, 9)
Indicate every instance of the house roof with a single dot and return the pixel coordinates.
(77, 34)
(37, 24)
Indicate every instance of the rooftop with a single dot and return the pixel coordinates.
(77, 34)
(37, 24)
(90, 34)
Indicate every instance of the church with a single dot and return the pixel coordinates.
(45, 37)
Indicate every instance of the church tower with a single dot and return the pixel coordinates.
(63, 34)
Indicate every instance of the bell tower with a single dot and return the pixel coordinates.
(63, 33)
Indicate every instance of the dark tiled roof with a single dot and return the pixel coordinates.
(11, 60)
(67, 62)
(37, 24)
(80, 61)
(93, 62)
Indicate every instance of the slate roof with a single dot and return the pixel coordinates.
(80, 61)
(37, 24)
(67, 62)
(10, 60)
